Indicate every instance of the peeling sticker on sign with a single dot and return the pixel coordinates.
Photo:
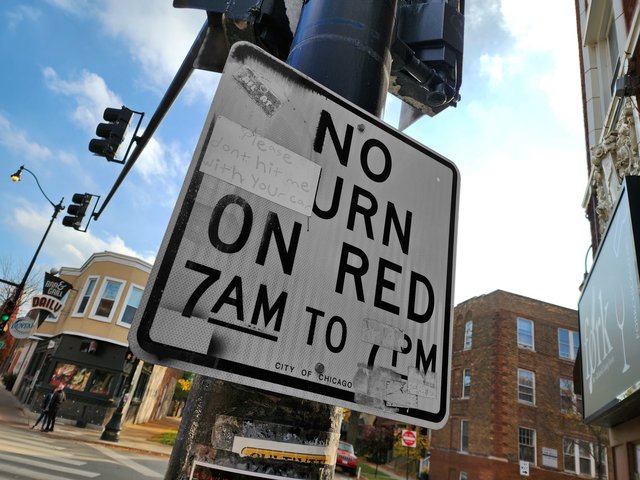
(257, 90)
(258, 165)
(398, 395)
(381, 334)
(422, 385)
(370, 385)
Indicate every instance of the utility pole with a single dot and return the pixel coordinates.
(345, 46)
(57, 208)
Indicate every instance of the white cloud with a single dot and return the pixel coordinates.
(20, 14)
(158, 37)
(64, 245)
(17, 141)
(75, 7)
(90, 93)
(492, 66)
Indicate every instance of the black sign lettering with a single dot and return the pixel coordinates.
(403, 235)
(287, 255)
(329, 333)
(364, 160)
(326, 122)
(262, 305)
(214, 224)
(366, 211)
(413, 286)
(384, 283)
(356, 271)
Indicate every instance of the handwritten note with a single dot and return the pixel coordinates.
(247, 160)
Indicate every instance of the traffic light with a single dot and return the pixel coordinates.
(111, 134)
(77, 210)
(7, 311)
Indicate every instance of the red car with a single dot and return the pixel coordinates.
(347, 460)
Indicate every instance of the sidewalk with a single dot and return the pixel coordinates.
(135, 438)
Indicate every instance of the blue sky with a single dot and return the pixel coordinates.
(517, 135)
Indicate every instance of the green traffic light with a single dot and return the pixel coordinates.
(5, 317)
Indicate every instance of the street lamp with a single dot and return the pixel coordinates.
(57, 208)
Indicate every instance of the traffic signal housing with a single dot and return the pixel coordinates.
(77, 210)
(112, 133)
(7, 311)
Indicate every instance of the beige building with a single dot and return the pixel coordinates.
(84, 346)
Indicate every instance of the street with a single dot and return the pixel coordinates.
(30, 454)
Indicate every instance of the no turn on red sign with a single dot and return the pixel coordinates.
(409, 438)
(311, 252)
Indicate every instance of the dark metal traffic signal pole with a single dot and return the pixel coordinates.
(179, 81)
(57, 208)
(345, 46)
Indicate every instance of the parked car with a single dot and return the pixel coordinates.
(347, 460)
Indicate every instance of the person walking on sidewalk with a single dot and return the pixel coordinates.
(54, 404)
(44, 410)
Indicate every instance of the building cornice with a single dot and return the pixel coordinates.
(110, 257)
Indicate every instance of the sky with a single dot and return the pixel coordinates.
(517, 136)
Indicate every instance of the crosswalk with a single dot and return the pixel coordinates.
(26, 454)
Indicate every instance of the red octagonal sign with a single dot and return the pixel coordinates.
(409, 438)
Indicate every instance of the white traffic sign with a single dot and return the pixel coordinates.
(409, 438)
(311, 252)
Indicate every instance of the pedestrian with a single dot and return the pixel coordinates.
(54, 404)
(44, 410)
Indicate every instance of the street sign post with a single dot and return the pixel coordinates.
(311, 252)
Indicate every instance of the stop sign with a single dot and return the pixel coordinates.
(409, 438)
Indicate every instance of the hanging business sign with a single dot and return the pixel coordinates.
(21, 327)
(609, 311)
(311, 252)
(50, 301)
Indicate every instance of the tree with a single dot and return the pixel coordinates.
(375, 443)
(10, 274)
(598, 445)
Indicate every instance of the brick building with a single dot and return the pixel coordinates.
(512, 397)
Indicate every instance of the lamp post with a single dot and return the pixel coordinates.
(57, 208)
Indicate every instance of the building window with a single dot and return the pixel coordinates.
(131, 305)
(569, 401)
(525, 333)
(463, 476)
(579, 457)
(89, 346)
(468, 335)
(612, 43)
(71, 376)
(107, 299)
(464, 435)
(527, 442)
(526, 386)
(101, 382)
(466, 382)
(568, 343)
(85, 296)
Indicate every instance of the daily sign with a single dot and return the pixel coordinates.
(311, 252)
